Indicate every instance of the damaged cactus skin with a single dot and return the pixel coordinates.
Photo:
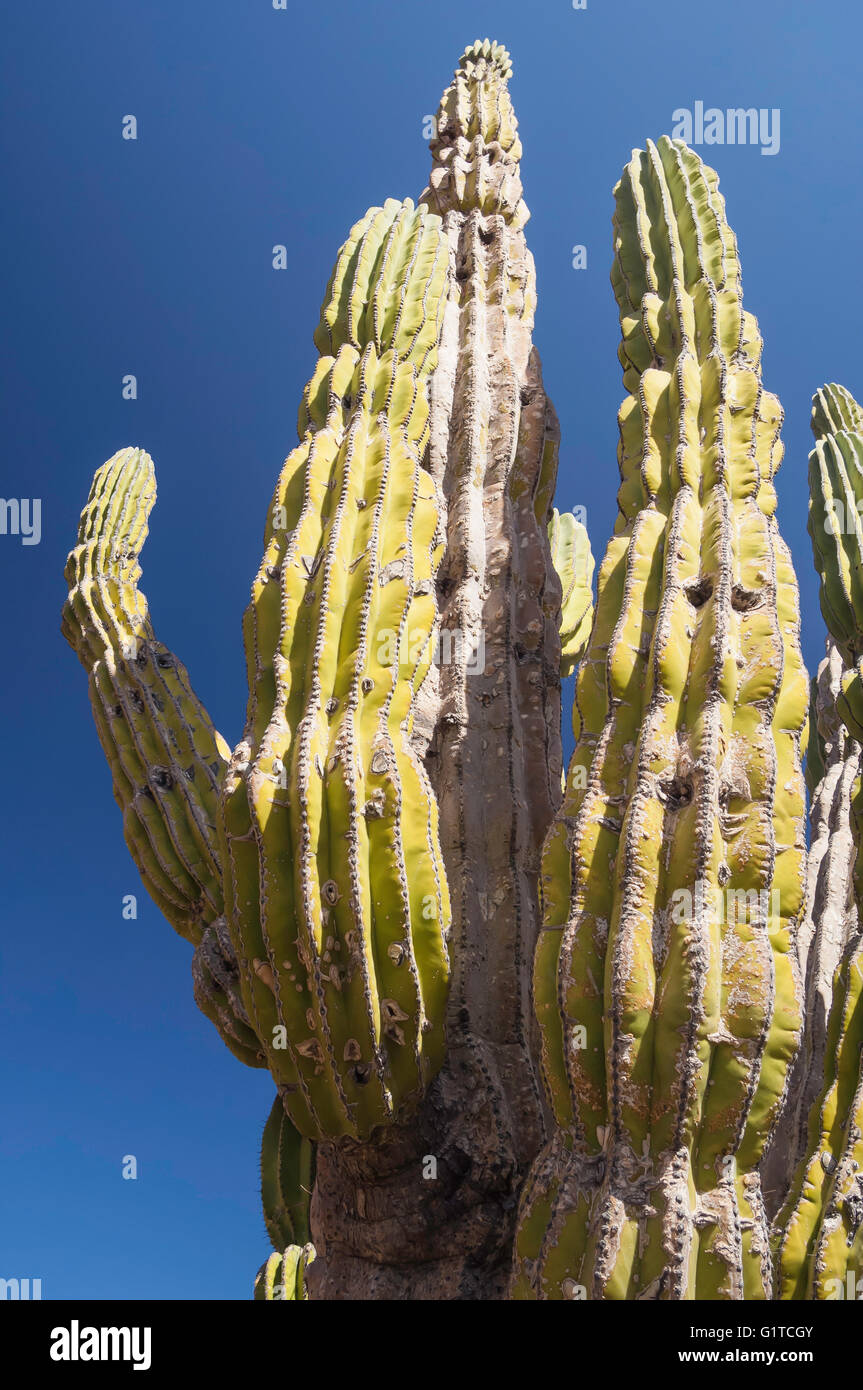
(819, 1232)
(667, 1032)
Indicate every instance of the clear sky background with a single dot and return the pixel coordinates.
(255, 127)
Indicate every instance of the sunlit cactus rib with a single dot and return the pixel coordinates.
(282, 1277)
(287, 1178)
(819, 1232)
(337, 897)
(166, 758)
(692, 697)
(572, 558)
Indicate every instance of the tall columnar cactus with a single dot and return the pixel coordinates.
(673, 875)
(336, 892)
(489, 717)
(820, 1229)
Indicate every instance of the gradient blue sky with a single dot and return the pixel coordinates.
(259, 127)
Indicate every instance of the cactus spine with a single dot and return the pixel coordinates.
(668, 1022)
(820, 1229)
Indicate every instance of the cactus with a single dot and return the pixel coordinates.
(166, 758)
(819, 1232)
(572, 558)
(282, 1277)
(316, 841)
(335, 887)
(287, 1177)
(669, 1023)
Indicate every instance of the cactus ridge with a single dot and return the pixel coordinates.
(287, 1178)
(337, 896)
(692, 698)
(166, 758)
(573, 561)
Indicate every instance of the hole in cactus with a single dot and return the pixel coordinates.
(676, 792)
(699, 590)
(486, 235)
(526, 395)
(137, 702)
(164, 661)
(744, 600)
(462, 272)
(362, 1072)
(161, 777)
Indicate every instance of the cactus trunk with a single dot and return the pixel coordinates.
(668, 1020)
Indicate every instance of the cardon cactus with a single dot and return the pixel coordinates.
(820, 1229)
(673, 874)
(393, 906)
(351, 876)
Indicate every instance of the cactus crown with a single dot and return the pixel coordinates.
(483, 54)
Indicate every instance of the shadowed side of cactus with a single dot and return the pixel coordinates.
(287, 1179)
(819, 1232)
(665, 980)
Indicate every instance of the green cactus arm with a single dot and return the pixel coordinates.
(835, 409)
(166, 758)
(282, 1277)
(667, 1030)
(818, 1235)
(573, 561)
(287, 1178)
(836, 530)
(337, 895)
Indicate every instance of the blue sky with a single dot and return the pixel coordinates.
(154, 257)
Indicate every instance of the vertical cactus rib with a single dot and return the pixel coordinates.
(337, 897)
(819, 1232)
(572, 558)
(672, 880)
(165, 757)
